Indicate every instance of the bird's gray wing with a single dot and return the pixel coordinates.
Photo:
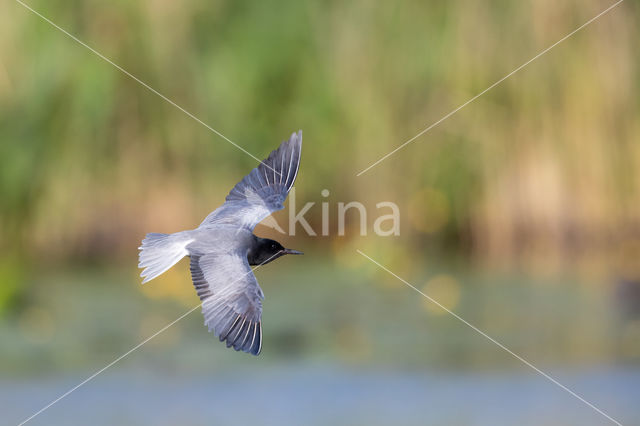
(231, 299)
(262, 191)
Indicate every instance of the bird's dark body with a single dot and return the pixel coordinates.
(223, 249)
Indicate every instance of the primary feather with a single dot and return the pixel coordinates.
(263, 190)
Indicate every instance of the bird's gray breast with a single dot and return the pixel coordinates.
(220, 240)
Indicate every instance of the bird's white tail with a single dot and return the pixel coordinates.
(159, 252)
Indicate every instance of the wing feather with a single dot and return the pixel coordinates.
(231, 309)
(263, 191)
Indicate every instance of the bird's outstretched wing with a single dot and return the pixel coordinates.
(231, 299)
(262, 191)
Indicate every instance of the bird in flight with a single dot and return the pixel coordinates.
(223, 248)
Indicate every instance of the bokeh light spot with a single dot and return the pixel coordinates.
(445, 290)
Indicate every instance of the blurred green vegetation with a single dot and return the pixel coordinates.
(86, 150)
(541, 174)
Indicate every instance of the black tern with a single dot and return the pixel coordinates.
(223, 247)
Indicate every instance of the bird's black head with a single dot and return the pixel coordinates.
(265, 250)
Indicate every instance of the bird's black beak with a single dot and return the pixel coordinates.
(291, 251)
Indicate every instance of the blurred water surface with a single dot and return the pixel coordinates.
(391, 357)
(313, 394)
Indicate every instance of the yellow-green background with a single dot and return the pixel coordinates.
(521, 212)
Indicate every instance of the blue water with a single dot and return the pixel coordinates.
(328, 395)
